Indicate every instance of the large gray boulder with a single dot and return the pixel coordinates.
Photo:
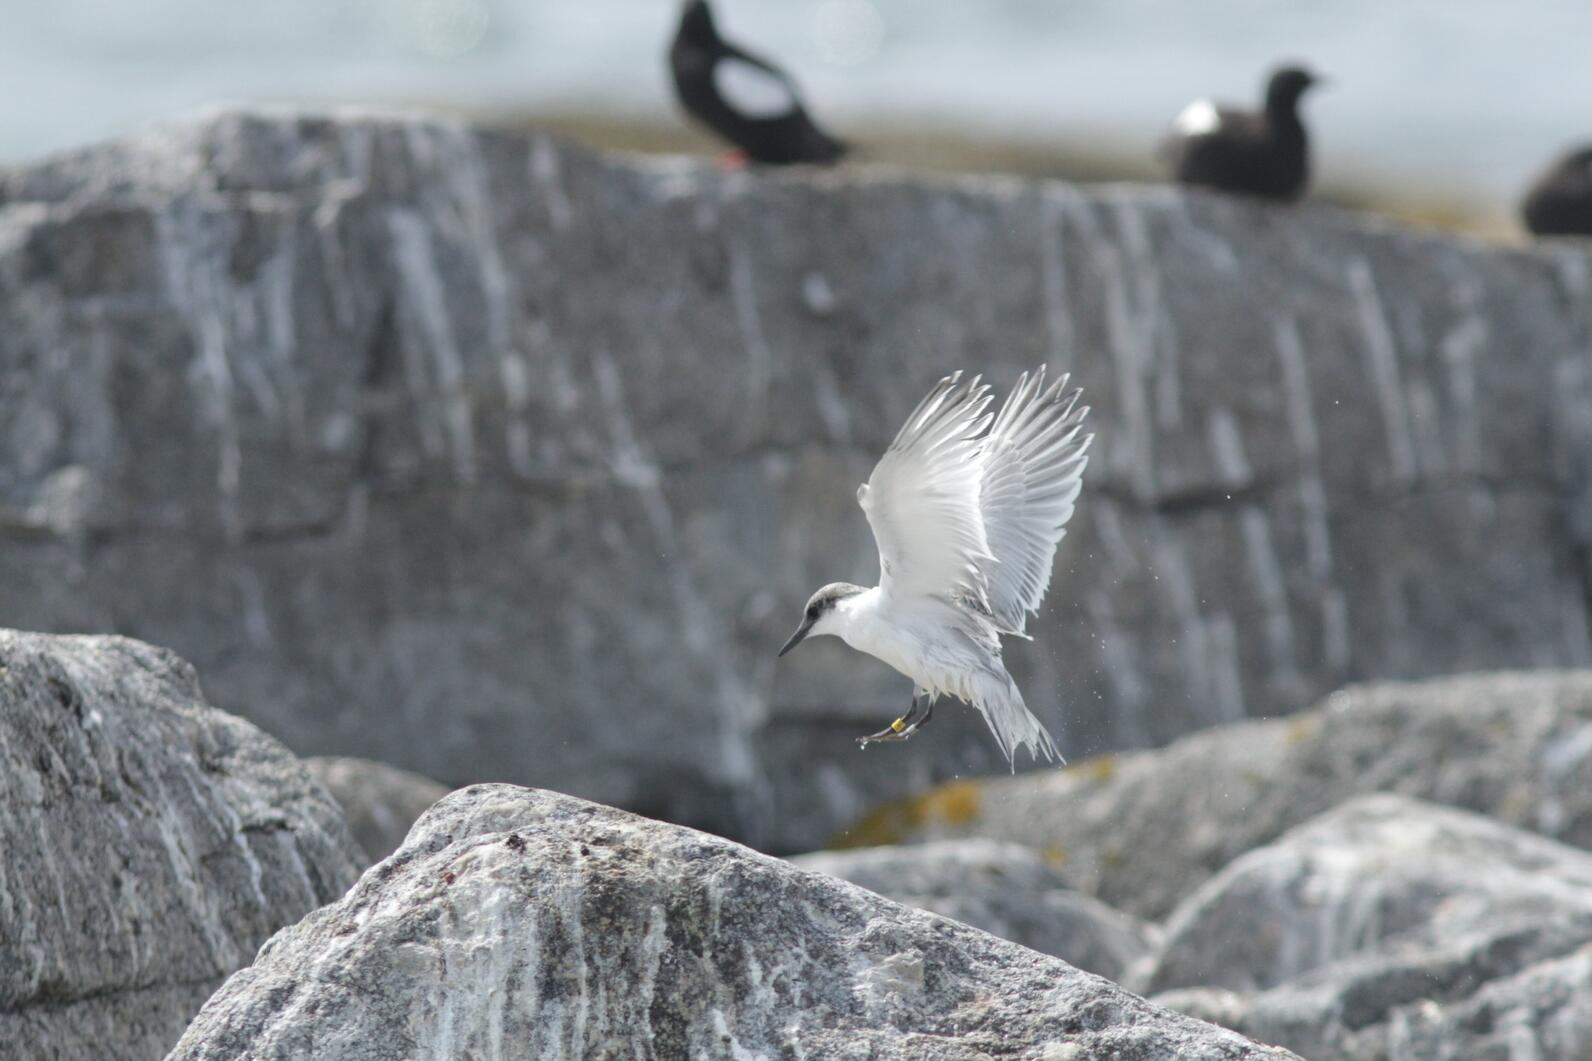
(491, 457)
(522, 924)
(1389, 928)
(380, 801)
(1006, 889)
(1141, 831)
(148, 845)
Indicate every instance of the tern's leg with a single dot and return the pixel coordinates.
(908, 724)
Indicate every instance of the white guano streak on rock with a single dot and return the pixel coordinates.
(1229, 701)
(1382, 355)
(1133, 454)
(653, 947)
(831, 403)
(1217, 250)
(1053, 278)
(1432, 455)
(52, 869)
(182, 860)
(1177, 581)
(759, 359)
(1267, 572)
(427, 307)
(569, 915)
(702, 634)
(358, 141)
(546, 172)
(515, 375)
(223, 809)
(256, 620)
(1465, 342)
(277, 280)
(1227, 448)
(335, 267)
(472, 192)
(1157, 339)
(192, 288)
(1307, 443)
(1232, 463)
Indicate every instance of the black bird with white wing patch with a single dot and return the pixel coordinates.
(1265, 153)
(1559, 203)
(744, 99)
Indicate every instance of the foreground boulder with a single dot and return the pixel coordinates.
(148, 845)
(518, 923)
(1006, 889)
(1141, 831)
(1390, 928)
(339, 407)
(380, 801)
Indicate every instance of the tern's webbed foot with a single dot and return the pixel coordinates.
(895, 731)
(905, 726)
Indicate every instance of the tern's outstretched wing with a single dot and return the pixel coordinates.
(922, 499)
(1033, 460)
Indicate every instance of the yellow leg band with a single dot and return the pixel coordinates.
(898, 725)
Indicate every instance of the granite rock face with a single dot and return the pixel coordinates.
(495, 458)
(380, 801)
(148, 845)
(1141, 831)
(1389, 928)
(1005, 889)
(518, 923)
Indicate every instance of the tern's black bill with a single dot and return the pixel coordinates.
(797, 637)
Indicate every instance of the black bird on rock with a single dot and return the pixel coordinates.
(1265, 154)
(1559, 203)
(746, 100)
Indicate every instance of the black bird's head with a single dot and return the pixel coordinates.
(820, 615)
(696, 23)
(1285, 86)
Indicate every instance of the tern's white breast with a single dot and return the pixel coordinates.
(923, 642)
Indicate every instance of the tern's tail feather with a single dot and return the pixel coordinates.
(1001, 703)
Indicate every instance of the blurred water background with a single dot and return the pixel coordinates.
(1441, 108)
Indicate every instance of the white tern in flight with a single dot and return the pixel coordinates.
(967, 507)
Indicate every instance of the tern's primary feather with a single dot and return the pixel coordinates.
(922, 498)
(1033, 460)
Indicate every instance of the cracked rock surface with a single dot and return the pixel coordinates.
(1391, 928)
(1142, 831)
(148, 845)
(489, 456)
(521, 923)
